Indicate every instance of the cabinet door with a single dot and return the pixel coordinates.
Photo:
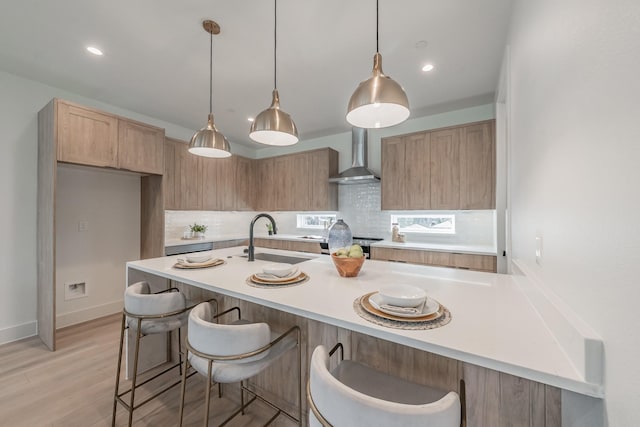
(397, 255)
(265, 185)
(140, 147)
(393, 185)
(323, 164)
(298, 182)
(218, 188)
(445, 169)
(169, 178)
(182, 177)
(417, 171)
(86, 137)
(477, 167)
(245, 184)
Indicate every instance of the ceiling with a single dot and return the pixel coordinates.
(156, 55)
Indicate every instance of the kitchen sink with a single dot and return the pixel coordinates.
(278, 258)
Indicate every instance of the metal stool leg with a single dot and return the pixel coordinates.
(207, 395)
(184, 384)
(115, 395)
(135, 371)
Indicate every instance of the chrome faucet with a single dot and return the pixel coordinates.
(253, 222)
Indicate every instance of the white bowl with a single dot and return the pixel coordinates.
(198, 257)
(402, 295)
(279, 269)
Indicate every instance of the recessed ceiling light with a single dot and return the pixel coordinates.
(250, 119)
(95, 50)
(427, 67)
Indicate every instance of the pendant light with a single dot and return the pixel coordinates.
(208, 141)
(379, 101)
(273, 126)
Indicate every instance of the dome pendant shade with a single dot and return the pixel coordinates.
(273, 126)
(208, 142)
(379, 101)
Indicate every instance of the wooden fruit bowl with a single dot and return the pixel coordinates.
(348, 267)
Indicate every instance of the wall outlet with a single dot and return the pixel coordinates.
(75, 290)
(83, 226)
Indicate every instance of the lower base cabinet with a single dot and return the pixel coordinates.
(288, 245)
(438, 259)
(489, 398)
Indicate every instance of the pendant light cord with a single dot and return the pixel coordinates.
(377, 25)
(275, 43)
(210, 73)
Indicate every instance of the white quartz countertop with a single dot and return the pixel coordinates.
(493, 323)
(438, 247)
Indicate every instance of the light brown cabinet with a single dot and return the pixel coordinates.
(297, 182)
(323, 194)
(245, 183)
(405, 172)
(288, 245)
(94, 138)
(182, 177)
(140, 147)
(436, 258)
(86, 136)
(218, 184)
(72, 133)
(447, 169)
(292, 182)
(265, 174)
(478, 166)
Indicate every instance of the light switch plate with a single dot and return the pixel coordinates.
(539, 248)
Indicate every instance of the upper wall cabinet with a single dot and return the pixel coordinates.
(298, 182)
(446, 169)
(140, 147)
(182, 177)
(86, 136)
(90, 137)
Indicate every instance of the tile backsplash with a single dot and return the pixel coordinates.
(359, 207)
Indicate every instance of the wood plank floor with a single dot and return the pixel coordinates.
(74, 386)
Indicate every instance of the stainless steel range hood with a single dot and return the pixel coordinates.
(358, 173)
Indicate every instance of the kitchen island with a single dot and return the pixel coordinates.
(495, 332)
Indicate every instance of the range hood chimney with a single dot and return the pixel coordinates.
(358, 173)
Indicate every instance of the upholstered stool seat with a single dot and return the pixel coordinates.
(234, 352)
(355, 394)
(147, 313)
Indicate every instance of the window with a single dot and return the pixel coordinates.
(427, 224)
(318, 221)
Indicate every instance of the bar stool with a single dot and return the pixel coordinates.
(354, 394)
(148, 313)
(235, 352)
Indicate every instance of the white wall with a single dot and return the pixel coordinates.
(574, 114)
(108, 202)
(20, 101)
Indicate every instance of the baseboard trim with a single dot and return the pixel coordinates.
(91, 313)
(18, 332)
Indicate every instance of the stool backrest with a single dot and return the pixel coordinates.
(343, 406)
(225, 340)
(139, 300)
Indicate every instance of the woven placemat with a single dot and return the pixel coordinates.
(275, 286)
(439, 321)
